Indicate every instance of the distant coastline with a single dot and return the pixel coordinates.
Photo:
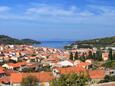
(54, 44)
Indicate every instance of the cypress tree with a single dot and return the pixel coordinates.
(99, 55)
(71, 56)
(76, 56)
(110, 54)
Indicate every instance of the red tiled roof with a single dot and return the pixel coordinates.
(42, 76)
(31, 65)
(97, 74)
(83, 64)
(53, 59)
(17, 64)
(1, 70)
(9, 72)
(71, 70)
(5, 80)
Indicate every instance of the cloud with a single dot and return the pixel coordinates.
(47, 10)
(105, 10)
(4, 9)
(59, 14)
(57, 11)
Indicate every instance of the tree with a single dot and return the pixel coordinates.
(44, 68)
(76, 56)
(94, 56)
(90, 56)
(109, 64)
(99, 55)
(83, 58)
(70, 80)
(108, 78)
(114, 56)
(71, 56)
(29, 81)
(110, 54)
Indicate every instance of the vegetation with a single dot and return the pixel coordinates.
(8, 40)
(69, 47)
(109, 64)
(108, 79)
(76, 56)
(30, 41)
(71, 56)
(28, 70)
(44, 68)
(98, 55)
(29, 81)
(111, 54)
(99, 42)
(70, 80)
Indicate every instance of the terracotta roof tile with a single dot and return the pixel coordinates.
(17, 64)
(97, 74)
(5, 80)
(2, 70)
(71, 70)
(42, 76)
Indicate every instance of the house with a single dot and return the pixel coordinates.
(52, 59)
(76, 62)
(113, 48)
(90, 61)
(67, 70)
(32, 59)
(84, 65)
(96, 75)
(2, 72)
(5, 81)
(14, 58)
(15, 66)
(43, 78)
(65, 63)
(110, 72)
(105, 56)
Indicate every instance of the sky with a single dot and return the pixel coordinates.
(57, 19)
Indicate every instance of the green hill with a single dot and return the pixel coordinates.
(9, 40)
(98, 42)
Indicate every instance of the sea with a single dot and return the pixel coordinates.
(54, 44)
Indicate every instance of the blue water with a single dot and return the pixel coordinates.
(55, 44)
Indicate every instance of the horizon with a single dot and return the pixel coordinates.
(57, 19)
(58, 40)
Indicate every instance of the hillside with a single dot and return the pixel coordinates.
(98, 42)
(30, 41)
(9, 40)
